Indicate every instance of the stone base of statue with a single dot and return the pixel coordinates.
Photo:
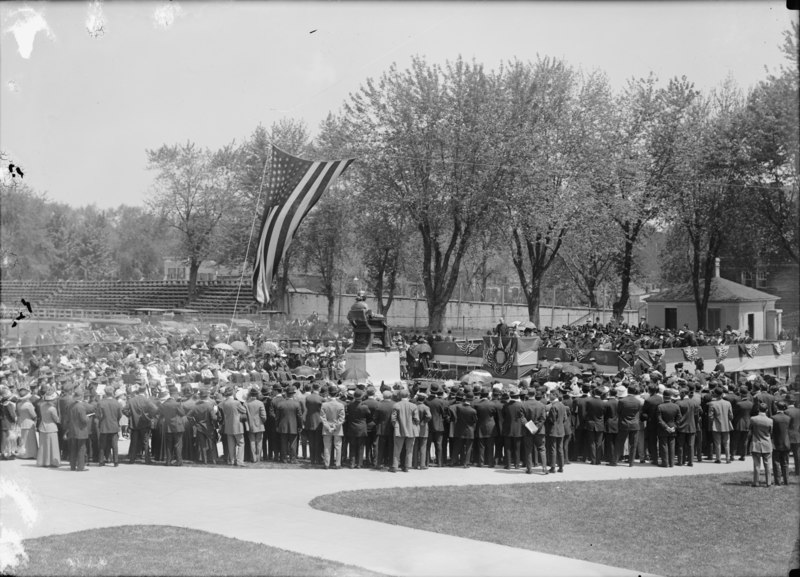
(381, 365)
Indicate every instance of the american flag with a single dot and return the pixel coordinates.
(295, 185)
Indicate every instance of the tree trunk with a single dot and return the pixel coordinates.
(436, 315)
(625, 277)
(331, 302)
(194, 266)
(533, 298)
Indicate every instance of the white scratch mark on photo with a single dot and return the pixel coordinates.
(27, 22)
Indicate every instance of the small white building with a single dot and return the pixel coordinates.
(729, 303)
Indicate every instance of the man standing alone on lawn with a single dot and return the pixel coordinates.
(761, 442)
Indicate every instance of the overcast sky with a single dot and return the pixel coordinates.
(87, 87)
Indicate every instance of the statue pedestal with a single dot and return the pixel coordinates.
(381, 365)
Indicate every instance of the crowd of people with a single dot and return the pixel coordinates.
(179, 401)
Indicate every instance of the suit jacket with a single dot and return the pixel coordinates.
(142, 411)
(356, 417)
(202, 417)
(513, 419)
(312, 415)
(438, 407)
(424, 420)
(536, 412)
(79, 422)
(332, 415)
(594, 414)
(289, 417)
(256, 415)
(466, 419)
(794, 424)
(569, 423)
(172, 412)
(689, 417)
(557, 419)
(371, 403)
(612, 421)
(108, 415)
(383, 417)
(720, 415)
(628, 414)
(487, 418)
(404, 416)
(741, 414)
(650, 411)
(780, 432)
(761, 434)
(579, 412)
(668, 415)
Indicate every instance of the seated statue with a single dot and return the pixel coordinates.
(367, 326)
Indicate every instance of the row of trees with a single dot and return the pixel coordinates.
(465, 174)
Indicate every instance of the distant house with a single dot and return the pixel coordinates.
(178, 269)
(729, 303)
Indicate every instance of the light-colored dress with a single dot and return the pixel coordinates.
(48, 455)
(26, 419)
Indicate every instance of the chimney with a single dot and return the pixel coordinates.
(716, 267)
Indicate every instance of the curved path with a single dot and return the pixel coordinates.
(270, 506)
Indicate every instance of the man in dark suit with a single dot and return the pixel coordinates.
(466, 418)
(371, 403)
(313, 423)
(78, 431)
(742, 410)
(438, 407)
(486, 429)
(612, 426)
(289, 424)
(794, 432)
(172, 413)
(109, 413)
(555, 423)
(582, 450)
(688, 423)
(668, 414)
(142, 412)
(513, 425)
(356, 417)
(628, 423)
(535, 412)
(650, 418)
(780, 443)
(594, 424)
(384, 430)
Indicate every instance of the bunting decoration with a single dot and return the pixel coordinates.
(583, 354)
(500, 357)
(778, 347)
(749, 349)
(690, 353)
(722, 352)
(467, 347)
(653, 352)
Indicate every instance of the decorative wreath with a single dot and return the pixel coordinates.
(500, 357)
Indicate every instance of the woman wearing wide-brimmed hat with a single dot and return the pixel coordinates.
(8, 424)
(26, 420)
(48, 454)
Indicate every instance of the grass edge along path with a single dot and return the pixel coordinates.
(679, 526)
(167, 550)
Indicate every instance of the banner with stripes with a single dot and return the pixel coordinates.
(295, 186)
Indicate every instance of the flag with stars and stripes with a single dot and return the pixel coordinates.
(295, 185)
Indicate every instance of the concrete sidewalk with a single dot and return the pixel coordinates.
(272, 507)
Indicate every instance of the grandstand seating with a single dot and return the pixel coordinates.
(213, 297)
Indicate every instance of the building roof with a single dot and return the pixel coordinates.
(722, 291)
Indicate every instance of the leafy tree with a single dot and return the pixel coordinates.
(23, 232)
(631, 181)
(192, 193)
(139, 243)
(430, 137)
(92, 256)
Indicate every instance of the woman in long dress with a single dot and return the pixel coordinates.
(26, 419)
(48, 455)
(8, 425)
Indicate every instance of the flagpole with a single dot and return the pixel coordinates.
(247, 252)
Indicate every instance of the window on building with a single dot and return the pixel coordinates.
(670, 318)
(761, 279)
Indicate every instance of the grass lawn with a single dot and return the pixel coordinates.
(164, 550)
(697, 525)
